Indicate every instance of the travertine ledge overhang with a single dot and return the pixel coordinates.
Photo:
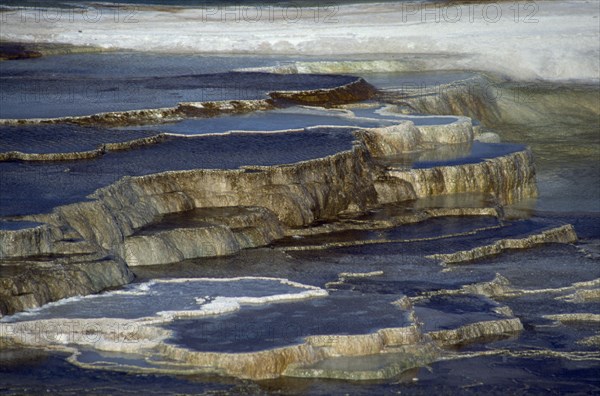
(277, 199)
(121, 222)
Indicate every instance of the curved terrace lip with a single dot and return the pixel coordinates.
(96, 99)
(480, 152)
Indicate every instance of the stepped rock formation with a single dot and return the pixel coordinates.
(176, 215)
(509, 178)
(279, 199)
(494, 101)
(562, 234)
(353, 91)
(315, 356)
(475, 97)
(477, 330)
(214, 232)
(406, 137)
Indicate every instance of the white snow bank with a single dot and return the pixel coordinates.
(553, 40)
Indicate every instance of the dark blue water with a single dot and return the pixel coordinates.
(29, 188)
(276, 325)
(17, 225)
(48, 94)
(428, 229)
(40, 372)
(59, 138)
(450, 244)
(260, 121)
(479, 153)
(30, 372)
(450, 312)
(159, 297)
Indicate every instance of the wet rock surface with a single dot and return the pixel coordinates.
(31, 283)
(289, 257)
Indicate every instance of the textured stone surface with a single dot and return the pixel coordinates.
(202, 233)
(122, 220)
(563, 234)
(509, 178)
(26, 284)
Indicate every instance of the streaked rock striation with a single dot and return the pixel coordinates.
(25, 242)
(349, 93)
(474, 331)
(509, 178)
(82, 155)
(213, 232)
(574, 317)
(562, 234)
(26, 284)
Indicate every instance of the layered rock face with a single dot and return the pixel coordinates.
(169, 217)
(406, 137)
(34, 241)
(27, 284)
(213, 232)
(494, 102)
(563, 234)
(297, 195)
(126, 220)
(277, 197)
(509, 178)
(177, 215)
